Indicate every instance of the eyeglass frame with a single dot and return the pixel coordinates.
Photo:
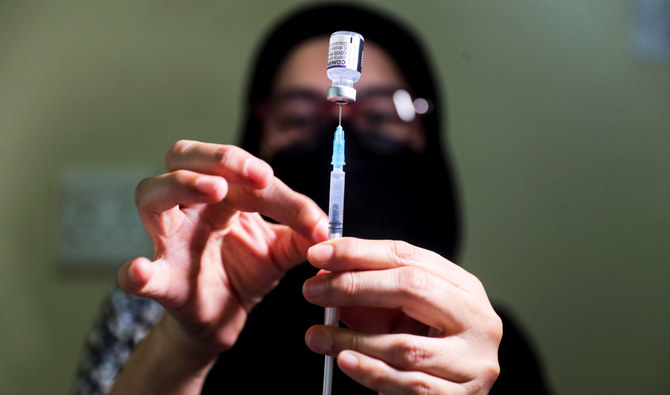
(324, 112)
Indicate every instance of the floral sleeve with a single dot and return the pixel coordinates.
(123, 322)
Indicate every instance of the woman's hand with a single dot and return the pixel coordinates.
(215, 256)
(417, 322)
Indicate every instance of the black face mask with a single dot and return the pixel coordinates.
(391, 191)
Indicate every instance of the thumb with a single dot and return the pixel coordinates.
(144, 278)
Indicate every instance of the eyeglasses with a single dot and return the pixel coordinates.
(299, 116)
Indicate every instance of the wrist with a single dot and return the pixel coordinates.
(185, 347)
(163, 364)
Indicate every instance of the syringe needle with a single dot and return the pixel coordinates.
(339, 122)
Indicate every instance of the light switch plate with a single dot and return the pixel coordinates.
(98, 222)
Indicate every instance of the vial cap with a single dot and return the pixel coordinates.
(341, 94)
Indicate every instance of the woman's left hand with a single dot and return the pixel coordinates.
(417, 322)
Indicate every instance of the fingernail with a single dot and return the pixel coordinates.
(321, 231)
(316, 287)
(347, 360)
(320, 252)
(257, 170)
(207, 185)
(319, 341)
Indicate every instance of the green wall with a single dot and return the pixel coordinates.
(558, 131)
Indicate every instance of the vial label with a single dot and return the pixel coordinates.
(345, 52)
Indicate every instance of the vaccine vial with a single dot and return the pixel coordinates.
(345, 59)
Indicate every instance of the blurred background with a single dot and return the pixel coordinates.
(559, 130)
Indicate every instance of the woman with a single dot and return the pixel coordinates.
(238, 301)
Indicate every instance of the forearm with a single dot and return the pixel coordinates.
(161, 365)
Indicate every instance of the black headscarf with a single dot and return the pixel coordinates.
(413, 194)
(411, 200)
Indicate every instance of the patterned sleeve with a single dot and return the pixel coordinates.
(123, 322)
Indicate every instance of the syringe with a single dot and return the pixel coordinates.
(335, 226)
(345, 59)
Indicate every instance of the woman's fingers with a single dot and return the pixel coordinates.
(350, 253)
(392, 274)
(421, 295)
(460, 353)
(253, 187)
(289, 247)
(144, 278)
(228, 161)
(180, 187)
(159, 198)
(379, 376)
(284, 205)
(440, 357)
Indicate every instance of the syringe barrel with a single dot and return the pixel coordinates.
(336, 204)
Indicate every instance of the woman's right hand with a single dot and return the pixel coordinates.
(215, 256)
